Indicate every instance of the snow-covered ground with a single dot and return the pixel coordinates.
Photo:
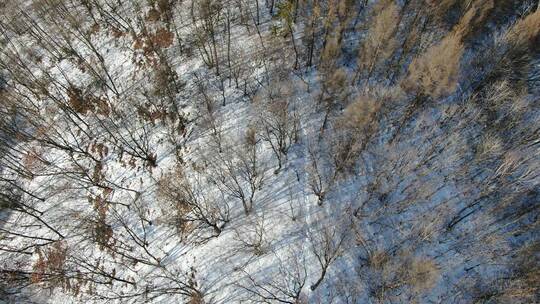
(441, 207)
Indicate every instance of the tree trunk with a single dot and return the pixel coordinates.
(321, 278)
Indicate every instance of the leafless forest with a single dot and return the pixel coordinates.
(269, 151)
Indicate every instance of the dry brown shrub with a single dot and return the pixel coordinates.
(101, 149)
(173, 204)
(422, 274)
(165, 5)
(100, 106)
(400, 271)
(358, 124)
(148, 42)
(378, 259)
(507, 102)
(515, 50)
(94, 29)
(117, 33)
(476, 12)
(523, 286)
(33, 160)
(499, 94)
(101, 232)
(151, 115)
(435, 72)
(76, 100)
(337, 80)
(441, 6)
(330, 54)
(380, 42)
(153, 15)
(250, 138)
(98, 175)
(84, 104)
(196, 298)
(525, 32)
(511, 161)
(474, 18)
(359, 115)
(49, 268)
(334, 90)
(163, 38)
(490, 146)
(352, 131)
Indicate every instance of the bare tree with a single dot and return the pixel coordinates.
(240, 174)
(192, 201)
(334, 94)
(326, 245)
(286, 13)
(253, 235)
(210, 14)
(279, 123)
(284, 286)
(209, 116)
(321, 179)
